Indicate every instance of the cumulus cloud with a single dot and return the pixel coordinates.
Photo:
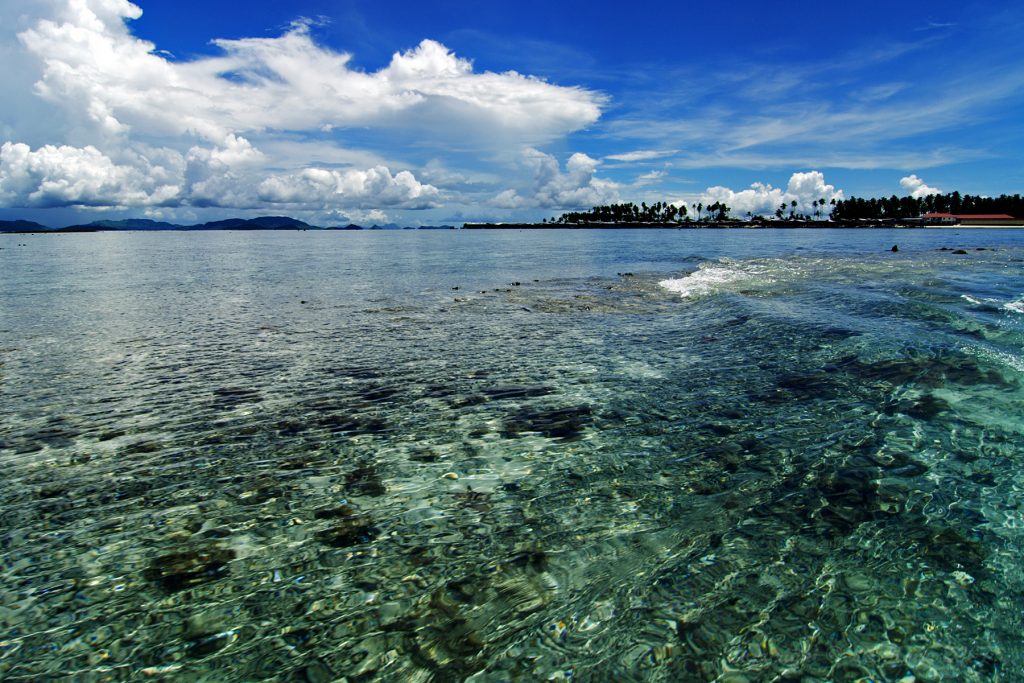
(363, 189)
(53, 176)
(94, 66)
(101, 118)
(229, 175)
(917, 187)
(577, 187)
(762, 198)
(222, 176)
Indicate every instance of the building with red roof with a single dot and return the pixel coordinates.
(970, 219)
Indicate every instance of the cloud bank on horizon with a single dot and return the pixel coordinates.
(103, 120)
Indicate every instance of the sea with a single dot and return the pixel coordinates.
(503, 455)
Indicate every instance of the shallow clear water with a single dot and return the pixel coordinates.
(608, 455)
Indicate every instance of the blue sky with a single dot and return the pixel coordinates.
(427, 113)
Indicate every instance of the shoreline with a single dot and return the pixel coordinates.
(1017, 225)
(729, 225)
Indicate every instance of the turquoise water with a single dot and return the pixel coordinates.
(439, 456)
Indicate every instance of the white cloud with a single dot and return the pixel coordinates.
(639, 155)
(917, 187)
(101, 118)
(53, 176)
(374, 216)
(95, 68)
(650, 177)
(364, 189)
(577, 187)
(222, 176)
(228, 176)
(762, 198)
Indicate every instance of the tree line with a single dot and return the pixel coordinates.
(656, 213)
(854, 208)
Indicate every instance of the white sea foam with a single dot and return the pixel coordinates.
(1015, 306)
(707, 280)
(987, 301)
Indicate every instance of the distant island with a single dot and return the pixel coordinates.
(260, 223)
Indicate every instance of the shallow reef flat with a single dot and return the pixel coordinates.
(663, 461)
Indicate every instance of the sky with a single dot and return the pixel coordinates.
(430, 113)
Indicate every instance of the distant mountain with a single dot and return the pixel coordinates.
(261, 223)
(134, 224)
(22, 226)
(226, 224)
(280, 223)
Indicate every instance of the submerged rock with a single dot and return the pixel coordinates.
(340, 512)
(839, 333)
(140, 447)
(950, 550)
(365, 480)
(924, 370)
(808, 386)
(558, 423)
(350, 528)
(353, 530)
(906, 469)
(261, 490)
(53, 491)
(851, 498)
(927, 407)
(352, 424)
(474, 500)
(227, 397)
(178, 571)
(451, 633)
(515, 391)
